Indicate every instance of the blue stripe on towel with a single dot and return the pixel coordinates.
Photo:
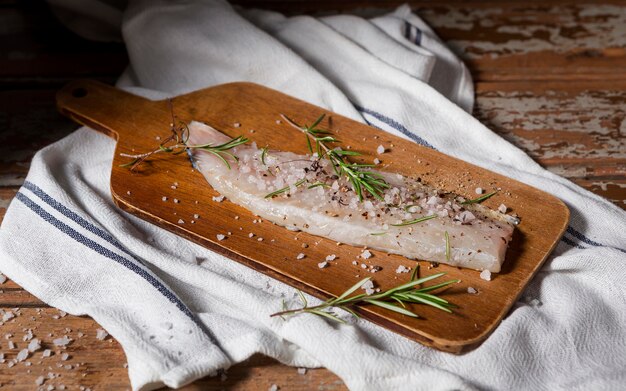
(408, 31)
(394, 124)
(107, 253)
(570, 242)
(580, 236)
(77, 218)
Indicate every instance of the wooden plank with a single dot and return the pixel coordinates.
(100, 364)
(535, 41)
(574, 129)
(611, 189)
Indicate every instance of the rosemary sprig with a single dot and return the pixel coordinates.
(357, 174)
(176, 143)
(284, 189)
(405, 293)
(414, 221)
(221, 149)
(263, 155)
(479, 199)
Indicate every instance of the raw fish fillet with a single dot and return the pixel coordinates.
(478, 236)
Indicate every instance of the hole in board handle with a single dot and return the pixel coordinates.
(79, 92)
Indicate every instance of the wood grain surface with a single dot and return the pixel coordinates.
(136, 123)
(590, 73)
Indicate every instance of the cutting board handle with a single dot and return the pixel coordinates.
(100, 106)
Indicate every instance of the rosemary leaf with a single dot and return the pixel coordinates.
(415, 271)
(479, 199)
(392, 307)
(263, 155)
(318, 184)
(435, 287)
(415, 221)
(302, 299)
(284, 189)
(327, 315)
(352, 289)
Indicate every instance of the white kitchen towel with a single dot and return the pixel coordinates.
(181, 312)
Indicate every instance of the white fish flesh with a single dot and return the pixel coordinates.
(317, 201)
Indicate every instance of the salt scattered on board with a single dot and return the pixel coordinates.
(34, 345)
(101, 334)
(63, 341)
(485, 275)
(402, 269)
(322, 265)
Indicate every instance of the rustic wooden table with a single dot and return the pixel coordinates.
(550, 77)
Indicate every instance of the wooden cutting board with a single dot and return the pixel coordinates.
(136, 123)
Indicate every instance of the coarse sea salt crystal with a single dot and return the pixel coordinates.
(101, 334)
(376, 161)
(63, 341)
(502, 208)
(220, 237)
(471, 290)
(485, 275)
(273, 387)
(366, 254)
(34, 345)
(331, 257)
(322, 265)
(302, 371)
(368, 284)
(402, 269)
(300, 256)
(380, 150)
(219, 198)
(39, 381)
(479, 190)
(181, 221)
(22, 355)
(46, 353)
(196, 216)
